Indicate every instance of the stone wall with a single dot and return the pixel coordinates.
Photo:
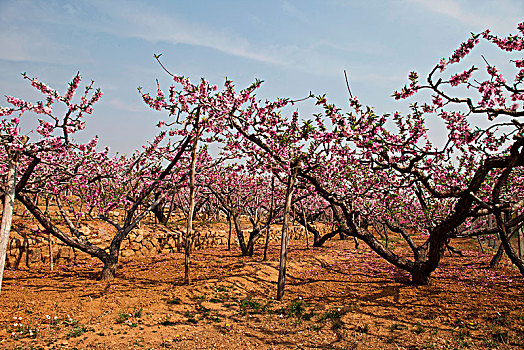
(25, 249)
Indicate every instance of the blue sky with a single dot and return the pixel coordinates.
(294, 46)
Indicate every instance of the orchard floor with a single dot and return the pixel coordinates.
(336, 297)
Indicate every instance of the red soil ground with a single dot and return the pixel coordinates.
(337, 297)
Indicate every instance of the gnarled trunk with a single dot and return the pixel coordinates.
(240, 234)
(159, 212)
(254, 236)
(109, 270)
(419, 276)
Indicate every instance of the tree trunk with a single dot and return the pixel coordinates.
(49, 226)
(316, 239)
(423, 267)
(357, 245)
(240, 234)
(171, 206)
(158, 211)
(419, 277)
(230, 230)
(109, 270)
(500, 251)
(250, 248)
(272, 205)
(7, 214)
(50, 246)
(520, 242)
(497, 257)
(285, 235)
(266, 243)
(505, 238)
(189, 231)
(254, 236)
(305, 227)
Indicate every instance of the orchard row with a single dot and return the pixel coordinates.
(374, 174)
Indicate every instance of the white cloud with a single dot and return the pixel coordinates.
(123, 106)
(154, 26)
(12, 50)
(24, 39)
(293, 11)
(149, 24)
(127, 19)
(501, 16)
(363, 47)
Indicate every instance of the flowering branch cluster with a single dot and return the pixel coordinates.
(370, 170)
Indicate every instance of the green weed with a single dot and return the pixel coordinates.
(138, 313)
(174, 301)
(331, 314)
(166, 322)
(77, 331)
(191, 317)
(419, 328)
(397, 326)
(123, 317)
(316, 327)
(251, 306)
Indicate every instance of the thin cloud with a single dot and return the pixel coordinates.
(293, 11)
(155, 26)
(124, 106)
(24, 40)
(502, 14)
(139, 21)
(362, 47)
(12, 50)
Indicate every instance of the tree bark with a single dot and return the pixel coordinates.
(497, 257)
(505, 238)
(266, 243)
(50, 246)
(254, 236)
(171, 206)
(419, 276)
(240, 234)
(305, 227)
(159, 213)
(500, 250)
(520, 242)
(230, 230)
(7, 214)
(285, 235)
(109, 270)
(271, 208)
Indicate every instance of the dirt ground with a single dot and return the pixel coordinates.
(336, 297)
